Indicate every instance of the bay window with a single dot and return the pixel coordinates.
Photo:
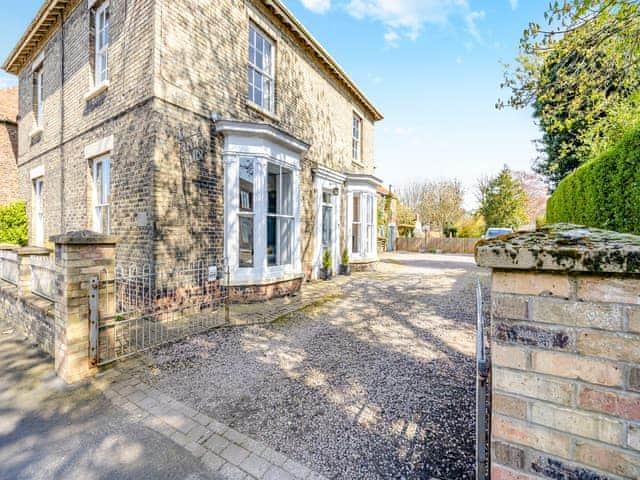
(362, 223)
(261, 203)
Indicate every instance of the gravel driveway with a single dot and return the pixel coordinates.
(378, 383)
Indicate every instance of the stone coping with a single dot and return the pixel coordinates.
(30, 250)
(83, 237)
(9, 246)
(562, 248)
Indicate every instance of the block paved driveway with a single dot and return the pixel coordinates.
(377, 382)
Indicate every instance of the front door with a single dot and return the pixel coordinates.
(328, 225)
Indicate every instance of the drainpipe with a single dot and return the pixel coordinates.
(62, 159)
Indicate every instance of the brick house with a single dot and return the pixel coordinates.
(9, 145)
(193, 129)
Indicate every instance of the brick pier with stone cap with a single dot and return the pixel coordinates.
(565, 346)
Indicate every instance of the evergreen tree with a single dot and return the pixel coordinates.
(504, 201)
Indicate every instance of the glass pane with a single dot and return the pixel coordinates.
(98, 182)
(252, 36)
(246, 184)
(273, 187)
(267, 58)
(287, 192)
(286, 240)
(327, 221)
(252, 55)
(356, 208)
(106, 182)
(272, 243)
(245, 244)
(355, 238)
(369, 238)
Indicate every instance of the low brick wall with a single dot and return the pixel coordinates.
(31, 315)
(565, 350)
(257, 293)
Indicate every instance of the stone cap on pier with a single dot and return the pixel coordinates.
(562, 248)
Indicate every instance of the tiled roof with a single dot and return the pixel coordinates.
(9, 104)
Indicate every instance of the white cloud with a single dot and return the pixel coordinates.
(407, 18)
(391, 38)
(514, 4)
(317, 6)
(471, 20)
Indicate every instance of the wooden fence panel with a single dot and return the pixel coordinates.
(446, 245)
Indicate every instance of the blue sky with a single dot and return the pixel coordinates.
(431, 66)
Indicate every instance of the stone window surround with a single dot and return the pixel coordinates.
(98, 150)
(266, 144)
(97, 87)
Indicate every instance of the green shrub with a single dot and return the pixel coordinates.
(13, 223)
(604, 192)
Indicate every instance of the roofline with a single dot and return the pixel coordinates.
(324, 56)
(49, 13)
(51, 10)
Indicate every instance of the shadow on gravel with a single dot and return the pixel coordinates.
(377, 385)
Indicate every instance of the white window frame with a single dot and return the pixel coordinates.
(267, 102)
(367, 245)
(99, 208)
(356, 138)
(39, 74)
(280, 216)
(38, 211)
(101, 45)
(265, 145)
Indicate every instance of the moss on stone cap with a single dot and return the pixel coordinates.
(562, 247)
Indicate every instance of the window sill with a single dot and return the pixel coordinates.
(93, 93)
(36, 131)
(240, 280)
(357, 163)
(262, 111)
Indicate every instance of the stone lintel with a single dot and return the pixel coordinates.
(562, 248)
(83, 237)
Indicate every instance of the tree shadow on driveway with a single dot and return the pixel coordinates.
(379, 384)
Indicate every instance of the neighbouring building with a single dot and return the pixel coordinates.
(218, 131)
(8, 145)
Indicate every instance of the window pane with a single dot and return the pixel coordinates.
(272, 243)
(245, 244)
(273, 187)
(356, 208)
(98, 182)
(287, 192)
(286, 240)
(327, 221)
(246, 184)
(106, 181)
(355, 238)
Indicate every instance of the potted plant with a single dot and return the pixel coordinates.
(345, 268)
(325, 271)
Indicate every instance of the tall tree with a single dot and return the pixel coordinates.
(439, 202)
(572, 72)
(504, 202)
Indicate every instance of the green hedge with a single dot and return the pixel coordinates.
(604, 192)
(13, 223)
